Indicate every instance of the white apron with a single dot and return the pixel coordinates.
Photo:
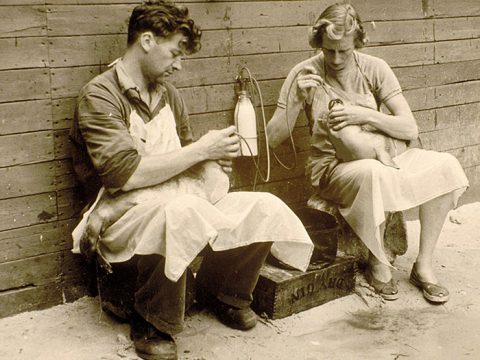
(182, 227)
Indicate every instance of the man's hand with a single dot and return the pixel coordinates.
(345, 115)
(220, 144)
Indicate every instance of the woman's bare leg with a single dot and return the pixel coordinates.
(432, 218)
(379, 270)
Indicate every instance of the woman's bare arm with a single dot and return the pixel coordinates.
(400, 124)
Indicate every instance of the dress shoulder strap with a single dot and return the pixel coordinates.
(368, 82)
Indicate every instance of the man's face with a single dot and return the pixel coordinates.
(163, 58)
(337, 53)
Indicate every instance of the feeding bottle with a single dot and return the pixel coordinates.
(246, 124)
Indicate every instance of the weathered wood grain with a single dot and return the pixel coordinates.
(30, 298)
(87, 20)
(62, 112)
(36, 240)
(425, 120)
(102, 49)
(62, 144)
(20, 21)
(457, 28)
(404, 55)
(25, 116)
(399, 32)
(38, 178)
(27, 210)
(21, 85)
(27, 179)
(29, 52)
(22, 2)
(67, 82)
(444, 95)
(40, 270)
(457, 116)
(452, 138)
(213, 98)
(438, 74)
(37, 270)
(88, 49)
(64, 175)
(460, 50)
(468, 156)
(26, 148)
(112, 18)
(447, 8)
(70, 203)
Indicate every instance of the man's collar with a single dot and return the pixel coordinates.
(127, 85)
(124, 80)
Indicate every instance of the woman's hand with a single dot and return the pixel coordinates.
(345, 115)
(307, 79)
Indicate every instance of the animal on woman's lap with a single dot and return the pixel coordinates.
(355, 142)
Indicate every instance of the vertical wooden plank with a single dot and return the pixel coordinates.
(70, 203)
(62, 112)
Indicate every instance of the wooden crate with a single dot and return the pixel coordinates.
(281, 292)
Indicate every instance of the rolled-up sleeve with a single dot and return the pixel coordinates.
(180, 113)
(105, 133)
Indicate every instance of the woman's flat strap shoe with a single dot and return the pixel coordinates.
(387, 290)
(434, 293)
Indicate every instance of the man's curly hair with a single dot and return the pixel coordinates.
(163, 18)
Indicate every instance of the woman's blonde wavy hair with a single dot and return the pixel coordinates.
(337, 21)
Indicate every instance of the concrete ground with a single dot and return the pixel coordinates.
(359, 326)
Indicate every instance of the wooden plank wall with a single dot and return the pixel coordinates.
(50, 48)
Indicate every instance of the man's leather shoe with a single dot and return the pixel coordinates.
(240, 319)
(150, 343)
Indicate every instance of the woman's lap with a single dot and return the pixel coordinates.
(423, 175)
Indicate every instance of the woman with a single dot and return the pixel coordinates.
(365, 189)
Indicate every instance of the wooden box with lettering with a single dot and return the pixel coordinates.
(280, 292)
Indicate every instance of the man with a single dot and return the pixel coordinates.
(131, 131)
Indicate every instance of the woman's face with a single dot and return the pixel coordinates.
(338, 53)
